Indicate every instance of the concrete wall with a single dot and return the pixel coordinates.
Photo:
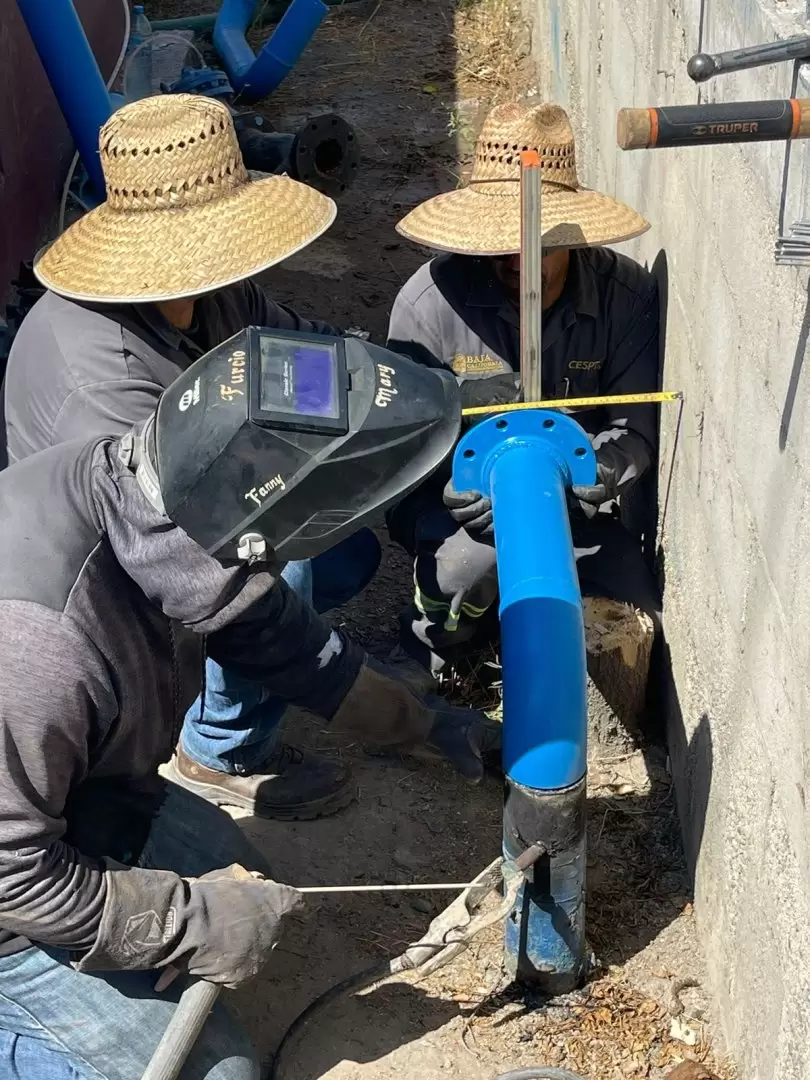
(35, 146)
(736, 539)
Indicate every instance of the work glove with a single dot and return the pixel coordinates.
(381, 708)
(254, 908)
(221, 927)
(471, 509)
(500, 389)
(613, 472)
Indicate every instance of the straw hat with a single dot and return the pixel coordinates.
(484, 217)
(182, 215)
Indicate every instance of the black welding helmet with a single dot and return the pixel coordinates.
(291, 442)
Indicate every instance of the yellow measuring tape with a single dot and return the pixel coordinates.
(580, 403)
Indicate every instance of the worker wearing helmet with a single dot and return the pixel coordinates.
(109, 873)
(600, 336)
(138, 289)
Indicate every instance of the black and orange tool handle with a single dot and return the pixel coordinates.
(724, 122)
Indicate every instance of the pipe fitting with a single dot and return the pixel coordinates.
(324, 153)
(254, 77)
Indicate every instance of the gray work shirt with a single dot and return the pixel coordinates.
(600, 337)
(78, 370)
(103, 606)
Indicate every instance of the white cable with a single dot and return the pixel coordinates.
(155, 40)
(125, 42)
(117, 67)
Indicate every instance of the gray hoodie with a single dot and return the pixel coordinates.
(103, 608)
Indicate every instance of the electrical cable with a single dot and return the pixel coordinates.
(363, 980)
(116, 68)
(360, 981)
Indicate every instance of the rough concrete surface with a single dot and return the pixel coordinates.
(734, 549)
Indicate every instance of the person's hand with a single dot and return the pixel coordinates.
(383, 709)
(592, 495)
(471, 509)
(254, 907)
(611, 468)
(220, 927)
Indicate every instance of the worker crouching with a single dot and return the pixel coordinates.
(109, 873)
(600, 336)
(138, 290)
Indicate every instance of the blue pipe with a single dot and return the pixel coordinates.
(63, 48)
(254, 77)
(525, 462)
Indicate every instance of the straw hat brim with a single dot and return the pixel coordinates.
(140, 256)
(472, 222)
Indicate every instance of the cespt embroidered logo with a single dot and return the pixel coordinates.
(584, 365)
(472, 364)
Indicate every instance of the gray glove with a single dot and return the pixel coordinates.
(471, 509)
(381, 708)
(613, 474)
(221, 927)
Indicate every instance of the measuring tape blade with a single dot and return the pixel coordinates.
(660, 398)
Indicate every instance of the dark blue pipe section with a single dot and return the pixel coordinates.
(544, 937)
(254, 77)
(63, 48)
(525, 461)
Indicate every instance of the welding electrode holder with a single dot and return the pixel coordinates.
(702, 125)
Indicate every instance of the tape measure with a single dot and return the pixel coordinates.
(659, 398)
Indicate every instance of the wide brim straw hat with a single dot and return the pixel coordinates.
(182, 215)
(483, 218)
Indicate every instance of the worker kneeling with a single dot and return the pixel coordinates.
(461, 312)
(119, 558)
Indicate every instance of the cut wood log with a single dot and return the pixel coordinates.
(619, 641)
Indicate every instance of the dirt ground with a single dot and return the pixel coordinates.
(415, 79)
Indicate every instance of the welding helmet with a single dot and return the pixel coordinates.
(290, 442)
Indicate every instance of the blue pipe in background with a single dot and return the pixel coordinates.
(525, 461)
(254, 77)
(63, 48)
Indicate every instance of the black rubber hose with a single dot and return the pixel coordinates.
(360, 981)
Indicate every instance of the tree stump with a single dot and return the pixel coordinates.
(619, 641)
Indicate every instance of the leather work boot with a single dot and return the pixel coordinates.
(296, 785)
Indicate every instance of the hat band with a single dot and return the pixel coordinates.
(194, 191)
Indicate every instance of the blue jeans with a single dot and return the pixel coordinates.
(234, 729)
(59, 1024)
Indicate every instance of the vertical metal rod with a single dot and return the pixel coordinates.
(531, 276)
